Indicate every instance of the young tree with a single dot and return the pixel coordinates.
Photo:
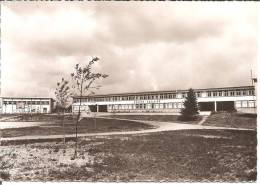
(62, 94)
(190, 110)
(83, 81)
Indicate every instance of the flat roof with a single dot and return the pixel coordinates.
(170, 91)
(25, 98)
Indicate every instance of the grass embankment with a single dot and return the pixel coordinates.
(193, 155)
(236, 120)
(87, 125)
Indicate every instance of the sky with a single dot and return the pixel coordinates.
(142, 46)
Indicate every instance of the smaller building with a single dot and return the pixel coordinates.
(20, 105)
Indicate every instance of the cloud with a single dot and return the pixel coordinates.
(142, 46)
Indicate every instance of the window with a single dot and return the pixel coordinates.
(251, 103)
(244, 93)
(198, 94)
(164, 106)
(238, 93)
(219, 93)
(184, 95)
(244, 103)
(238, 104)
(226, 93)
(251, 92)
(215, 94)
(161, 96)
(209, 94)
(232, 93)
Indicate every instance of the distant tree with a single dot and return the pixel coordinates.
(83, 82)
(190, 110)
(62, 94)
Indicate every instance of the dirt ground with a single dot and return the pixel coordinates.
(190, 155)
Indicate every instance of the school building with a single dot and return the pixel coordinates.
(20, 105)
(241, 99)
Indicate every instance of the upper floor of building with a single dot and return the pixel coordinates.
(26, 101)
(173, 94)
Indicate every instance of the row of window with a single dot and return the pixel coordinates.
(26, 102)
(242, 104)
(176, 105)
(168, 96)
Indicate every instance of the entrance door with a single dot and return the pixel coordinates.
(44, 110)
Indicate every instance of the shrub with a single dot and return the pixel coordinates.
(4, 175)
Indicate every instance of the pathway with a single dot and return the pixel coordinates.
(159, 127)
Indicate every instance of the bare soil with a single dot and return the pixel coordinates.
(190, 155)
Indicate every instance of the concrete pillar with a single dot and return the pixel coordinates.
(215, 106)
(97, 108)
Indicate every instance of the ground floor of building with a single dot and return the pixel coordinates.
(175, 107)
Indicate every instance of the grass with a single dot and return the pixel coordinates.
(193, 155)
(87, 125)
(35, 117)
(236, 120)
(162, 118)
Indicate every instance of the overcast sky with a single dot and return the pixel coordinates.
(143, 46)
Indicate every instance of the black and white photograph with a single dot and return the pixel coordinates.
(128, 91)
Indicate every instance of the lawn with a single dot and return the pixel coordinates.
(190, 155)
(162, 118)
(35, 117)
(236, 120)
(87, 125)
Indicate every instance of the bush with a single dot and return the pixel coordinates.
(188, 118)
(4, 175)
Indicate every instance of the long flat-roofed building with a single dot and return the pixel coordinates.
(241, 98)
(18, 105)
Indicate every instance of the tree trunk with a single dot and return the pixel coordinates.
(95, 121)
(63, 125)
(77, 121)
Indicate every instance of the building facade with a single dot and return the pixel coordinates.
(241, 98)
(15, 105)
